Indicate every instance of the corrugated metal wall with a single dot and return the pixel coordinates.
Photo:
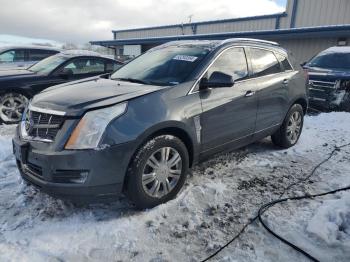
(253, 25)
(309, 13)
(305, 48)
(149, 33)
(322, 12)
(250, 25)
(285, 21)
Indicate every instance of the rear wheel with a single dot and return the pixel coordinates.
(157, 172)
(290, 131)
(12, 106)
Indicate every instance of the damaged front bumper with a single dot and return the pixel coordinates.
(75, 175)
(329, 95)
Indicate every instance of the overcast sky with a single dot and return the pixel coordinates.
(80, 21)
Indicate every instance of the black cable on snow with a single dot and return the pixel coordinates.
(265, 207)
(271, 204)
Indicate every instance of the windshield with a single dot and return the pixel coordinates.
(331, 60)
(48, 64)
(169, 65)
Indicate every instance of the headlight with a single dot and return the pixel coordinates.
(88, 133)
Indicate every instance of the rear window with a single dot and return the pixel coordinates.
(284, 61)
(331, 60)
(264, 62)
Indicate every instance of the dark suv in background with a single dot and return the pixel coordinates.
(18, 86)
(140, 131)
(329, 78)
(12, 57)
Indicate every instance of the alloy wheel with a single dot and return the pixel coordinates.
(11, 107)
(162, 172)
(294, 127)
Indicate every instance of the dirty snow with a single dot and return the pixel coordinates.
(219, 198)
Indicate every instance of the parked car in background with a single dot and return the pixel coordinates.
(329, 78)
(18, 86)
(140, 131)
(23, 56)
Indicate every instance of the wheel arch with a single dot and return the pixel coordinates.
(176, 129)
(301, 101)
(18, 90)
(173, 128)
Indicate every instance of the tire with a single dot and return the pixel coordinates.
(283, 137)
(345, 105)
(144, 172)
(12, 106)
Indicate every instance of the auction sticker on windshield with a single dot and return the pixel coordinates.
(186, 58)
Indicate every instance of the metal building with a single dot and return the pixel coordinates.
(305, 28)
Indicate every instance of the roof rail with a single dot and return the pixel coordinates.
(249, 40)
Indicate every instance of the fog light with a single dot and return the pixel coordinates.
(81, 179)
(70, 176)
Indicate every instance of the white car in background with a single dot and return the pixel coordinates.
(14, 57)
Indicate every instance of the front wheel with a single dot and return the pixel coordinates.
(12, 106)
(157, 172)
(290, 131)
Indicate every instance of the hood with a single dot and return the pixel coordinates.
(14, 73)
(331, 74)
(77, 97)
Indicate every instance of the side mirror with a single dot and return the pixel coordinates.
(66, 74)
(216, 80)
(106, 75)
(303, 64)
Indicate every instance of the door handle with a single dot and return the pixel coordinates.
(249, 93)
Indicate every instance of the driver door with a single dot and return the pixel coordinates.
(229, 113)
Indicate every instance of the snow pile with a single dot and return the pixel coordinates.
(218, 199)
(331, 222)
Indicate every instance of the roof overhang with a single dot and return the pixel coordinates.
(294, 33)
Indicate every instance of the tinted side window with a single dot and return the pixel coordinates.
(232, 62)
(19, 55)
(284, 61)
(264, 62)
(81, 66)
(16, 55)
(37, 55)
(112, 66)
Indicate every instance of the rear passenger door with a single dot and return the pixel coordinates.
(267, 74)
(229, 113)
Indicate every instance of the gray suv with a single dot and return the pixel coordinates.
(140, 130)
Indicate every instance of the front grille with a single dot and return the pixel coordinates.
(329, 94)
(44, 126)
(322, 84)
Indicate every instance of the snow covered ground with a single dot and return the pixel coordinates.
(218, 199)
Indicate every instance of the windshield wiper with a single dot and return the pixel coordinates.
(132, 80)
